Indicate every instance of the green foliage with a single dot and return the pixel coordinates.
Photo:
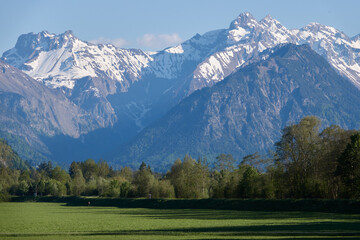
(163, 189)
(225, 162)
(126, 173)
(45, 168)
(125, 188)
(219, 180)
(307, 164)
(297, 152)
(144, 181)
(190, 178)
(307, 161)
(103, 169)
(89, 169)
(349, 168)
(249, 185)
(60, 175)
(54, 188)
(333, 143)
(78, 183)
(101, 186)
(23, 187)
(9, 158)
(225, 184)
(257, 161)
(24, 150)
(113, 188)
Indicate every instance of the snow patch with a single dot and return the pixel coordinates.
(237, 34)
(176, 50)
(137, 112)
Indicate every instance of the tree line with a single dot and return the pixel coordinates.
(306, 163)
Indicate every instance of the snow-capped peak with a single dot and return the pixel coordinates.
(59, 60)
(43, 41)
(47, 34)
(356, 41)
(244, 20)
(268, 21)
(69, 34)
(316, 28)
(267, 18)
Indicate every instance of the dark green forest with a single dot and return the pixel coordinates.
(306, 163)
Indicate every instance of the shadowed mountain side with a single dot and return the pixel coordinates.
(29, 109)
(246, 112)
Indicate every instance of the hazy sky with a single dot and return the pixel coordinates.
(155, 24)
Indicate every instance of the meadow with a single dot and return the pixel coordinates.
(54, 220)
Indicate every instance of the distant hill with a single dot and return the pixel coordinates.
(9, 158)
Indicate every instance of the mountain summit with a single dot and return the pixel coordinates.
(244, 20)
(58, 60)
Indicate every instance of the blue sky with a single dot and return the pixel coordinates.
(155, 24)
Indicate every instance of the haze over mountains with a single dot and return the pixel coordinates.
(103, 96)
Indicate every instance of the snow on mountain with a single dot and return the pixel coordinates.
(87, 71)
(58, 60)
(173, 62)
(337, 48)
(247, 37)
(356, 41)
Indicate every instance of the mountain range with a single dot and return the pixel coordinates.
(246, 112)
(103, 97)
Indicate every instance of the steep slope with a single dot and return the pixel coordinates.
(246, 112)
(9, 158)
(30, 110)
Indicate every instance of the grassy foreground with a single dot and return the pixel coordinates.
(39, 220)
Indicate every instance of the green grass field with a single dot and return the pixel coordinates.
(35, 220)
